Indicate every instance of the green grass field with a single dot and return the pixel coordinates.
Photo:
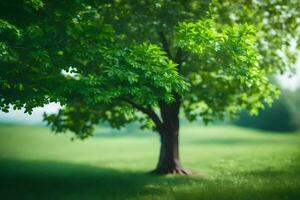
(232, 163)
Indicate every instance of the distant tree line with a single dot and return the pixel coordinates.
(283, 116)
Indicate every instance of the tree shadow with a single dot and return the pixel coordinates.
(280, 183)
(263, 184)
(59, 180)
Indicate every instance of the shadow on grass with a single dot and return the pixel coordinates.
(59, 180)
(263, 184)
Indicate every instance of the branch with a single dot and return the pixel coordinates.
(179, 59)
(165, 44)
(148, 111)
(170, 110)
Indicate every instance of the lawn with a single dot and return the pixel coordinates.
(230, 163)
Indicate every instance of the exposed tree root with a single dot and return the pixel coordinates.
(176, 170)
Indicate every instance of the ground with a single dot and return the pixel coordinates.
(231, 163)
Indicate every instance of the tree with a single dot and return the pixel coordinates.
(283, 116)
(292, 99)
(122, 61)
(278, 118)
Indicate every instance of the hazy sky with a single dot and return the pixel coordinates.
(18, 116)
(286, 81)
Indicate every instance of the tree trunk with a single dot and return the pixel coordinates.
(169, 162)
(169, 154)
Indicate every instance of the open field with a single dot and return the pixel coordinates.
(232, 163)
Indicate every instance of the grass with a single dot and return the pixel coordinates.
(234, 163)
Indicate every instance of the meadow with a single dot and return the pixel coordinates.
(228, 162)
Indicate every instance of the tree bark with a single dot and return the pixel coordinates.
(169, 161)
(169, 154)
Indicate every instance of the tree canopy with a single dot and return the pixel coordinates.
(128, 55)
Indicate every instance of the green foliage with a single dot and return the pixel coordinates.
(283, 116)
(292, 99)
(277, 24)
(226, 76)
(126, 56)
